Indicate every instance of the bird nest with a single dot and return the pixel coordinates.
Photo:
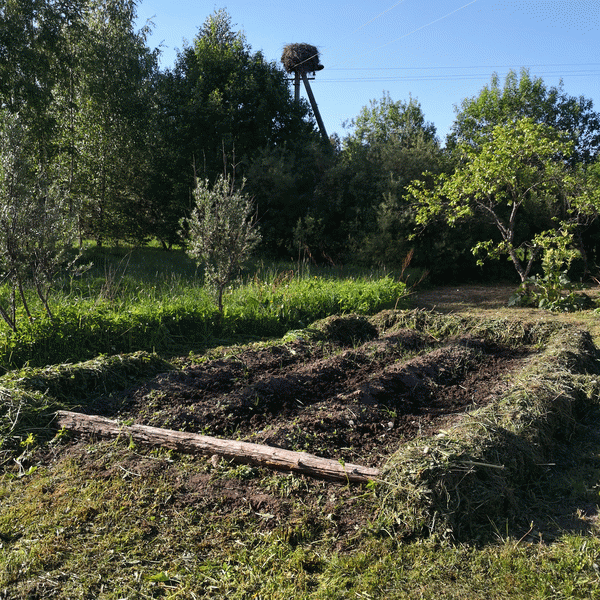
(301, 58)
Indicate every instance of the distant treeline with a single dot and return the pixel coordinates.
(123, 142)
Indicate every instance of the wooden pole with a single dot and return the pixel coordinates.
(313, 103)
(236, 451)
(296, 86)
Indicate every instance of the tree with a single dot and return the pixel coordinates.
(520, 168)
(104, 120)
(34, 63)
(220, 93)
(80, 78)
(221, 231)
(360, 200)
(32, 54)
(391, 241)
(36, 229)
(283, 179)
(528, 97)
(386, 121)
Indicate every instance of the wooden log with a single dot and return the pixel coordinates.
(236, 451)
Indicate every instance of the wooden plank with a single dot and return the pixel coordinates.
(234, 450)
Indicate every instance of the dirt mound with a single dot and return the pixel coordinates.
(457, 411)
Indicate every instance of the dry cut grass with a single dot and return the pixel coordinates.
(479, 474)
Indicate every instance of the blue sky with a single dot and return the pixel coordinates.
(438, 51)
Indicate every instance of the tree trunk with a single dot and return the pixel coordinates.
(236, 451)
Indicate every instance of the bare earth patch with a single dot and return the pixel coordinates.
(109, 515)
(455, 299)
(356, 404)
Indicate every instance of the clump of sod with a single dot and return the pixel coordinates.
(99, 376)
(346, 330)
(509, 332)
(477, 474)
(301, 58)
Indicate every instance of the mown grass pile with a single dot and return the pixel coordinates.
(30, 397)
(479, 474)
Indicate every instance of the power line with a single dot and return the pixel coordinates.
(359, 28)
(416, 30)
(460, 67)
(464, 77)
(423, 26)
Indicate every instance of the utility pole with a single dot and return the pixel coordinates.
(313, 103)
(301, 59)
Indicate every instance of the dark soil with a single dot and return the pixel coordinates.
(357, 404)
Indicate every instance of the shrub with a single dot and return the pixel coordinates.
(221, 231)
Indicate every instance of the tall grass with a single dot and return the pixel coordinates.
(148, 299)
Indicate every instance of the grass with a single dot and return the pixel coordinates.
(146, 299)
(117, 535)
(111, 521)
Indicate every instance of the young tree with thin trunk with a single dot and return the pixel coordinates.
(522, 167)
(221, 231)
(36, 227)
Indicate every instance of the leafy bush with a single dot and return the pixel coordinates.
(551, 293)
(553, 290)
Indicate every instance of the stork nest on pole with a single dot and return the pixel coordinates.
(301, 58)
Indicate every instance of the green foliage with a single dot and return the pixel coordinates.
(36, 228)
(79, 77)
(222, 232)
(283, 180)
(525, 96)
(385, 120)
(390, 241)
(106, 122)
(522, 97)
(342, 208)
(123, 140)
(521, 167)
(359, 212)
(553, 290)
(33, 54)
(290, 302)
(221, 94)
(156, 301)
